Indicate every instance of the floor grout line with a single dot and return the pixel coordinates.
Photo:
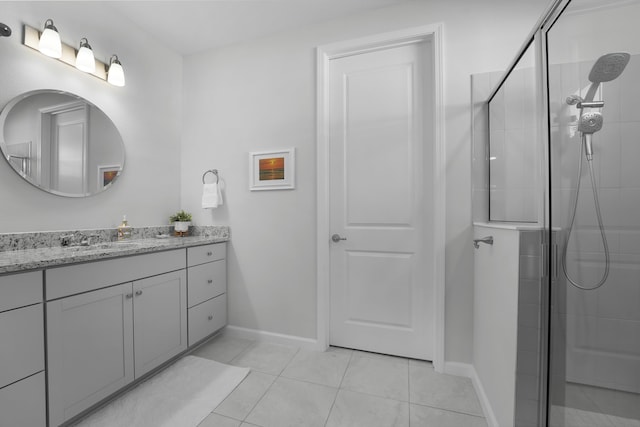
(352, 358)
(333, 404)
(447, 410)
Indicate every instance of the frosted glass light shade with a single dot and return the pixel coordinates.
(50, 43)
(84, 59)
(115, 75)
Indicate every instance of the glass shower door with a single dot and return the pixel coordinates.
(593, 66)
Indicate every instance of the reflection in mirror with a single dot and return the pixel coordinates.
(61, 143)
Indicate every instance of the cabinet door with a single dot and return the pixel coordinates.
(160, 319)
(90, 349)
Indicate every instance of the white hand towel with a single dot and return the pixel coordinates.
(211, 196)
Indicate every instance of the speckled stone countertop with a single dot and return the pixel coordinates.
(29, 251)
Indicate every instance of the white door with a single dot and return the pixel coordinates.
(381, 191)
(69, 134)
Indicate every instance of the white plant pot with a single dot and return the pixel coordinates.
(181, 226)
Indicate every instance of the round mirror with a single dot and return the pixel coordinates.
(61, 143)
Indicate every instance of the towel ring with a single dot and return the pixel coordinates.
(213, 171)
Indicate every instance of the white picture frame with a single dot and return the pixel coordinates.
(107, 174)
(272, 170)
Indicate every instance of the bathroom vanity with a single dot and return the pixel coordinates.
(115, 313)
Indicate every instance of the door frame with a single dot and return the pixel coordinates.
(325, 53)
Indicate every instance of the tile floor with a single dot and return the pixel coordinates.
(288, 386)
(588, 406)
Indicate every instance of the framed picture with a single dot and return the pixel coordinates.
(106, 174)
(272, 170)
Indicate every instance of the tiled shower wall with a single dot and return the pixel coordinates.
(505, 172)
(603, 325)
(481, 86)
(529, 327)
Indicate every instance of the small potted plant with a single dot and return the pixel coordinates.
(181, 221)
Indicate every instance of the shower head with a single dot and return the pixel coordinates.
(5, 31)
(590, 122)
(609, 67)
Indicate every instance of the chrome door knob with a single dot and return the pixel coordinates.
(336, 238)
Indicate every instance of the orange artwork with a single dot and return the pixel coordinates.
(108, 176)
(271, 169)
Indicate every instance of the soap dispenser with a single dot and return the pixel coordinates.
(124, 229)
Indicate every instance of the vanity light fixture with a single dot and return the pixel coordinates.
(85, 60)
(50, 43)
(5, 31)
(115, 74)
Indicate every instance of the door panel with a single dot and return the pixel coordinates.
(381, 291)
(370, 298)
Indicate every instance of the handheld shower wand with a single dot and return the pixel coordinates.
(589, 124)
(608, 67)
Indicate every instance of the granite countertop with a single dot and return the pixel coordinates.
(44, 257)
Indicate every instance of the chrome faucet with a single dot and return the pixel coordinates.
(86, 240)
(66, 239)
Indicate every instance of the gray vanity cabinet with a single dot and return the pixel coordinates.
(101, 340)
(22, 378)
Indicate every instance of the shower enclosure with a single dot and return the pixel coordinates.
(570, 162)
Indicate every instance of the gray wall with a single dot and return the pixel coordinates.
(261, 95)
(147, 112)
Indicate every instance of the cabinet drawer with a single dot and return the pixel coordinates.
(206, 318)
(22, 338)
(206, 281)
(207, 253)
(75, 279)
(22, 404)
(18, 290)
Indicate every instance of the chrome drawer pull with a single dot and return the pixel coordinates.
(209, 253)
(210, 281)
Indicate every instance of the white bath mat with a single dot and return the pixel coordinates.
(180, 396)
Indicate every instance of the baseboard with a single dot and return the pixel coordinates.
(459, 369)
(467, 370)
(257, 335)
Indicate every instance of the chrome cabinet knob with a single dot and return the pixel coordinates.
(138, 293)
(128, 296)
(209, 253)
(210, 317)
(336, 238)
(210, 281)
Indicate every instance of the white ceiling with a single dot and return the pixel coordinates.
(189, 26)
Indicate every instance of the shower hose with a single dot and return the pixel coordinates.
(600, 225)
